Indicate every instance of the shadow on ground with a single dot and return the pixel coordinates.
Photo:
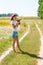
(31, 55)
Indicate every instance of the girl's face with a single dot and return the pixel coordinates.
(14, 18)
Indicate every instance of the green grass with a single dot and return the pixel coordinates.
(40, 24)
(5, 33)
(6, 43)
(30, 45)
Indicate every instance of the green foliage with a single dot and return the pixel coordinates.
(40, 9)
(40, 0)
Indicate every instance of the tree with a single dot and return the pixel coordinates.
(40, 9)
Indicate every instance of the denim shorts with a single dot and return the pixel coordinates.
(14, 34)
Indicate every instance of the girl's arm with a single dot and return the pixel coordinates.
(15, 25)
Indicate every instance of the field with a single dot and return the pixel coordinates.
(40, 24)
(30, 44)
(5, 34)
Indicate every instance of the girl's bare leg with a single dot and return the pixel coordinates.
(18, 44)
(13, 44)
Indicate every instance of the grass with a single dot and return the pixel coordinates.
(40, 23)
(6, 43)
(5, 34)
(30, 45)
(4, 22)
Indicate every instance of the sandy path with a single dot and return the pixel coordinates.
(10, 49)
(40, 61)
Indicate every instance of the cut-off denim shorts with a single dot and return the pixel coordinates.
(14, 34)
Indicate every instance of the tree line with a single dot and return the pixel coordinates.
(40, 9)
(6, 15)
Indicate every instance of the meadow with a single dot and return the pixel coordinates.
(6, 34)
(30, 44)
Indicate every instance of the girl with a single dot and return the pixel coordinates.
(14, 32)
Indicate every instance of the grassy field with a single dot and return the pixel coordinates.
(30, 46)
(40, 24)
(4, 22)
(5, 34)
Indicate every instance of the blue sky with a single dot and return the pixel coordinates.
(22, 7)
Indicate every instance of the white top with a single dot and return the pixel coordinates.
(14, 22)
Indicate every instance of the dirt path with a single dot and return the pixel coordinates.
(40, 61)
(10, 49)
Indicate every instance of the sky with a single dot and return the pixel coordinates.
(21, 7)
